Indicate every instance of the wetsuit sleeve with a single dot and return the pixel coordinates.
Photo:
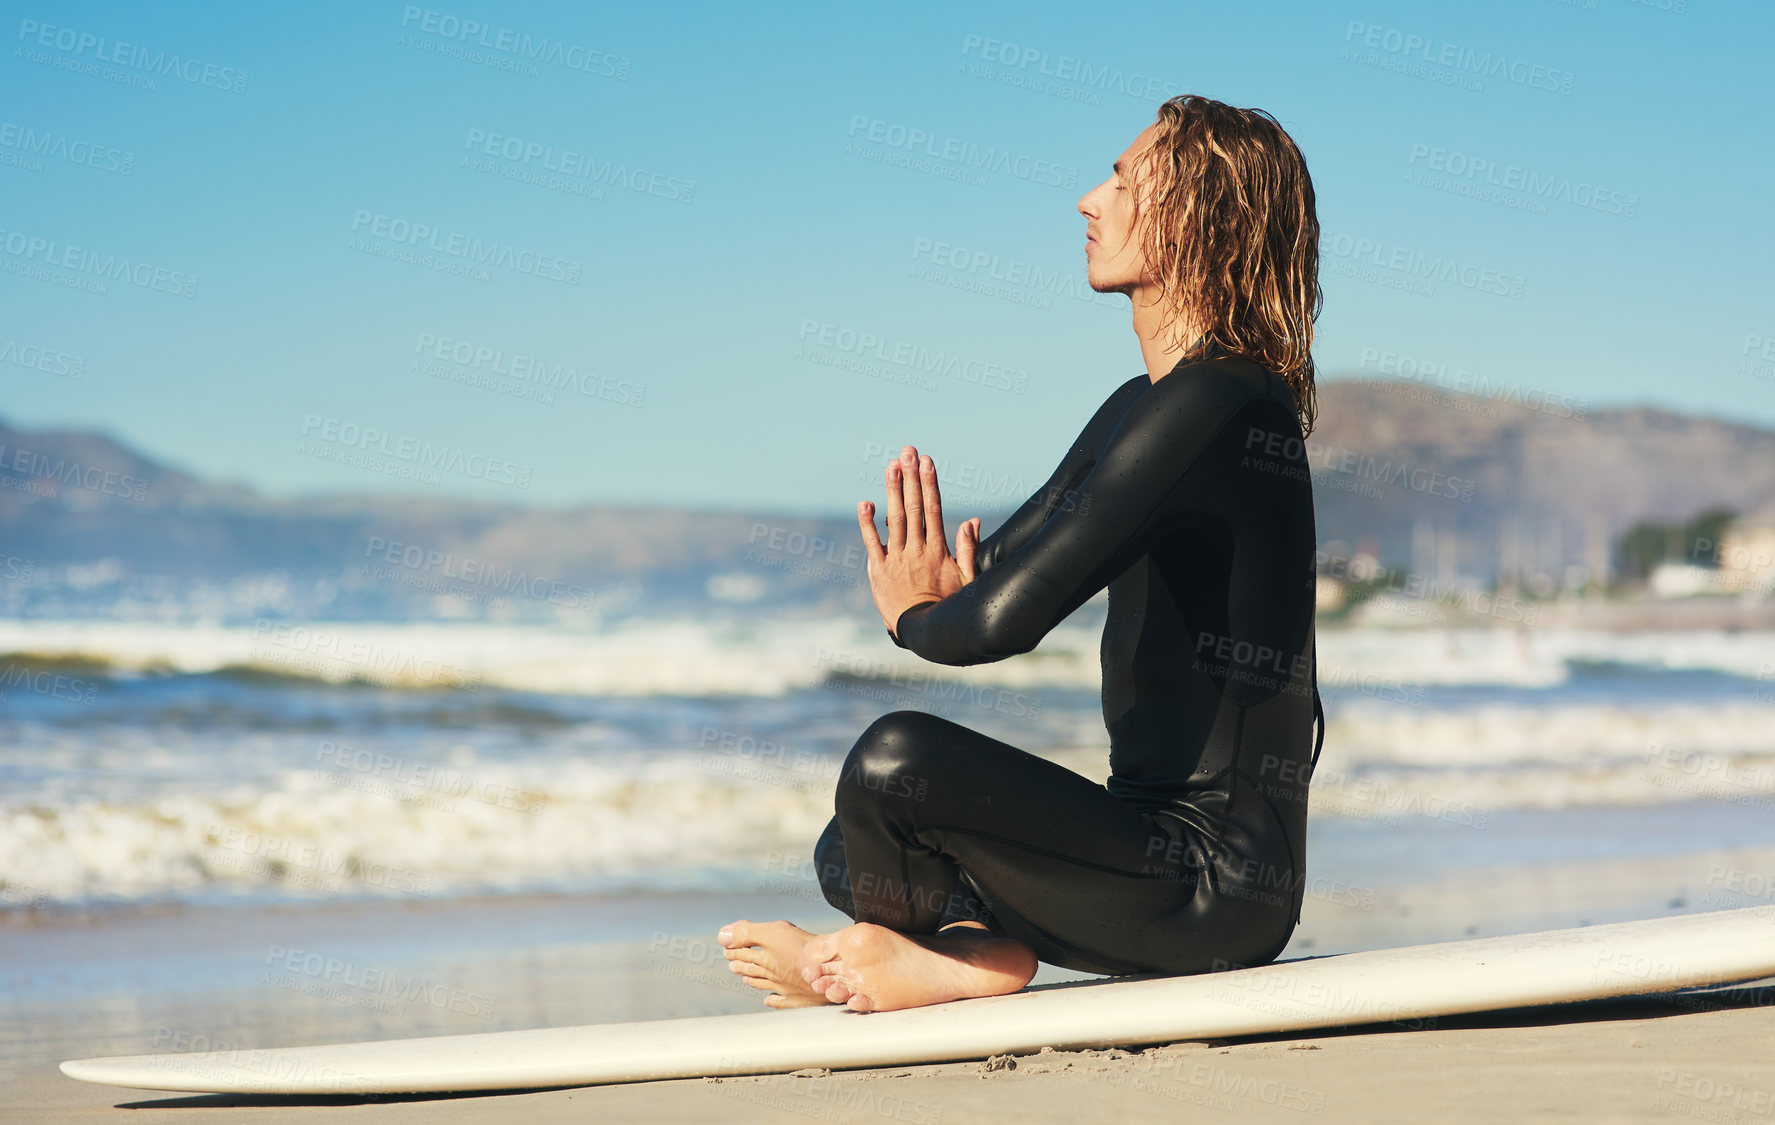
(1122, 505)
(1033, 512)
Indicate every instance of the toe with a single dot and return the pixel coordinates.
(735, 934)
(821, 949)
(837, 991)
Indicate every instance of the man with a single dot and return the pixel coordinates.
(966, 861)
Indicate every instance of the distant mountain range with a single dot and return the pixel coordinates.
(1420, 478)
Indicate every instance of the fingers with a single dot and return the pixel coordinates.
(871, 538)
(933, 504)
(912, 495)
(967, 541)
(896, 508)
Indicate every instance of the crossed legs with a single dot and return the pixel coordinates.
(964, 860)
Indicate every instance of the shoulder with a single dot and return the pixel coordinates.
(1183, 414)
(1212, 388)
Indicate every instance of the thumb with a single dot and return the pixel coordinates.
(965, 544)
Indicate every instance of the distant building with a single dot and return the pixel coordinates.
(1747, 553)
(1682, 580)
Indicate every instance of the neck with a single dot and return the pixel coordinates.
(1159, 345)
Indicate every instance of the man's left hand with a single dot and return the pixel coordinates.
(915, 566)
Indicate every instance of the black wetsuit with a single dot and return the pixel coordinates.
(1191, 499)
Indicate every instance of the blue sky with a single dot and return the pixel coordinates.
(724, 239)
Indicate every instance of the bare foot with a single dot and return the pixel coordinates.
(871, 968)
(767, 956)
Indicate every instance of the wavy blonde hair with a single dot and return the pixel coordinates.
(1234, 241)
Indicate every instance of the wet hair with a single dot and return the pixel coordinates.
(1234, 239)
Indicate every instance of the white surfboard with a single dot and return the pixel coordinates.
(1408, 984)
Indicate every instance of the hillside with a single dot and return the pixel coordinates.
(1421, 478)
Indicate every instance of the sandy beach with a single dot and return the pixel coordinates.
(80, 984)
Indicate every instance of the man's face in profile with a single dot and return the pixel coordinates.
(1112, 253)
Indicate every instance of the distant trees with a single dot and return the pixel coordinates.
(1647, 543)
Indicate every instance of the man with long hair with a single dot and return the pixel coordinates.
(963, 860)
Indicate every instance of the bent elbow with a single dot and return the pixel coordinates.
(1003, 636)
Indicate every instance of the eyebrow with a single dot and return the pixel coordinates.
(1116, 167)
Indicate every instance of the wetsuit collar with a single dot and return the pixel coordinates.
(1213, 351)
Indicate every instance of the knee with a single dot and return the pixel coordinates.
(894, 757)
(829, 864)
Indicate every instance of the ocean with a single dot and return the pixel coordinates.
(286, 762)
